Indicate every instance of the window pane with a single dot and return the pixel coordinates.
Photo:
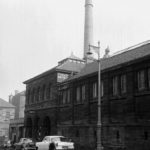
(83, 92)
(94, 89)
(68, 96)
(115, 85)
(141, 80)
(64, 97)
(123, 83)
(78, 94)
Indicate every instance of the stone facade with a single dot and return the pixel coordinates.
(71, 110)
(42, 98)
(125, 91)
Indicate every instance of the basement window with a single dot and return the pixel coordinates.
(145, 135)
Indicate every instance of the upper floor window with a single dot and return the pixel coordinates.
(83, 92)
(43, 93)
(30, 97)
(68, 96)
(38, 94)
(123, 84)
(33, 93)
(34, 98)
(94, 90)
(141, 79)
(78, 94)
(64, 96)
(115, 85)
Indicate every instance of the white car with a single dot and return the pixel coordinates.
(61, 143)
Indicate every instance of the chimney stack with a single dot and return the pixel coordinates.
(10, 98)
(107, 50)
(88, 27)
(16, 92)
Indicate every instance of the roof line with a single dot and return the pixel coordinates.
(130, 48)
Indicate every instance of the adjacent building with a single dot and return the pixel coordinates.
(17, 129)
(7, 112)
(41, 107)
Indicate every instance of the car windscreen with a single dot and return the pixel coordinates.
(64, 139)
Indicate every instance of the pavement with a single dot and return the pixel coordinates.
(6, 148)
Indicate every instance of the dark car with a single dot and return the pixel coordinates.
(25, 144)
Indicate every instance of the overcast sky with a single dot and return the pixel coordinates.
(36, 34)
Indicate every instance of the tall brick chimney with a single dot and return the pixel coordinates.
(88, 26)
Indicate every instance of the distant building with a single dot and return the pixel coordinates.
(7, 112)
(17, 124)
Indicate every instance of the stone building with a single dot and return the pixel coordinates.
(125, 91)
(17, 124)
(63, 100)
(7, 112)
(41, 97)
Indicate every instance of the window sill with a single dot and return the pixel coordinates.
(65, 105)
(143, 92)
(118, 97)
(79, 103)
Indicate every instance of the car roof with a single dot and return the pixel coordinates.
(53, 136)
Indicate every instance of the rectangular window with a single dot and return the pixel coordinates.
(40, 94)
(68, 96)
(141, 80)
(115, 85)
(64, 97)
(83, 92)
(94, 90)
(78, 94)
(123, 84)
(60, 97)
(50, 92)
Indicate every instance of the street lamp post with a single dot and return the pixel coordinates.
(99, 118)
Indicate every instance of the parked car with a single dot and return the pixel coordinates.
(8, 144)
(60, 142)
(25, 144)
